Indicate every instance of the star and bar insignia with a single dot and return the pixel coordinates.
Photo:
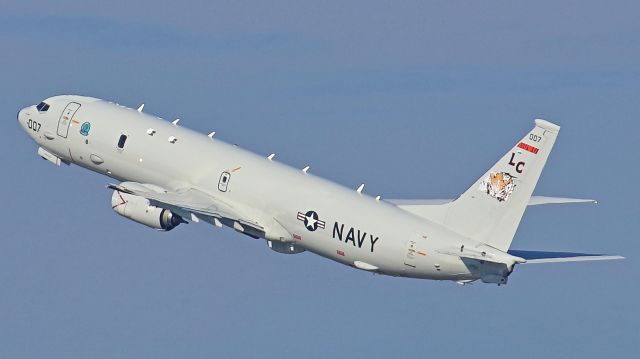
(311, 220)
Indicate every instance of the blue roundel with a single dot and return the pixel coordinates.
(311, 220)
(85, 128)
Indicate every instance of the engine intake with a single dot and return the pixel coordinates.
(138, 209)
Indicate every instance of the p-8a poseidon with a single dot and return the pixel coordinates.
(171, 175)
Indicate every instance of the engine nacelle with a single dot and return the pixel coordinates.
(138, 209)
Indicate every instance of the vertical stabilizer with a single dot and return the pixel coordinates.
(490, 211)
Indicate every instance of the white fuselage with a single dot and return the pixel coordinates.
(357, 227)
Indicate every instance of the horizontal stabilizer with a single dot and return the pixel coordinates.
(536, 200)
(534, 257)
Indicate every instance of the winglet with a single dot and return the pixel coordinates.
(175, 122)
(211, 134)
(140, 108)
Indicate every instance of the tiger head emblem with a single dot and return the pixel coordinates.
(498, 185)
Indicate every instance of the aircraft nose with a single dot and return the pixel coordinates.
(19, 116)
(22, 118)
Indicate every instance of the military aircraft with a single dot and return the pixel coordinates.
(170, 175)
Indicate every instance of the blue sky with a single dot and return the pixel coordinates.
(414, 98)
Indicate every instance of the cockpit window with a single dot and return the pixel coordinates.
(42, 107)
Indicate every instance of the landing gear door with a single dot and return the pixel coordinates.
(66, 118)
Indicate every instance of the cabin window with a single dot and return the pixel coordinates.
(121, 141)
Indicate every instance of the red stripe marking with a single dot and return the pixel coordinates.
(340, 253)
(529, 148)
(121, 203)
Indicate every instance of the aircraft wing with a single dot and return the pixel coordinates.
(535, 257)
(534, 201)
(195, 203)
(436, 210)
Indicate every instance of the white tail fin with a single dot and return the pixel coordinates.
(490, 211)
